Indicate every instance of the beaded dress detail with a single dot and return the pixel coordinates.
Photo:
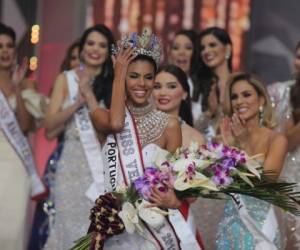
(150, 122)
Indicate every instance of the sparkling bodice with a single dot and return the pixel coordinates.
(280, 99)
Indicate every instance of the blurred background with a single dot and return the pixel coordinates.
(264, 32)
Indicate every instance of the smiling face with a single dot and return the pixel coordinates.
(7, 51)
(139, 82)
(95, 50)
(168, 93)
(181, 52)
(245, 100)
(213, 51)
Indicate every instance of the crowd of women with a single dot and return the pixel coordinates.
(124, 98)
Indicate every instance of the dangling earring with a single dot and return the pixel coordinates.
(261, 116)
(227, 56)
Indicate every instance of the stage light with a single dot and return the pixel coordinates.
(35, 34)
(33, 63)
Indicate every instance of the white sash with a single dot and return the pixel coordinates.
(175, 234)
(88, 138)
(264, 237)
(111, 163)
(13, 133)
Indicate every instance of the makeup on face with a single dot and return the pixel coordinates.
(7, 51)
(95, 50)
(213, 51)
(139, 82)
(245, 101)
(181, 52)
(168, 92)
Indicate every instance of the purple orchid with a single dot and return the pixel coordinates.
(152, 177)
(221, 176)
(190, 171)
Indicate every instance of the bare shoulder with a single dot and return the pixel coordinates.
(190, 134)
(61, 79)
(173, 122)
(60, 84)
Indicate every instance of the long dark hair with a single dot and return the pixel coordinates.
(6, 30)
(185, 110)
(102, 86)
(194, 65)
(295, 100)
(206, 75)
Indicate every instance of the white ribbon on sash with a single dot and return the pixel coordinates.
(264, 237)
(175, 234)
(15, 136)
(89, 140)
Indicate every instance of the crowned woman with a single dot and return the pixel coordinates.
(133, 132)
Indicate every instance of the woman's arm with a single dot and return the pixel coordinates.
(276, 155)
(117, 109)
(19, 83)
(56, 118)
(113, 120)
(25, 119)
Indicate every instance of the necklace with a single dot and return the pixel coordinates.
(139, 111)
(150, 123)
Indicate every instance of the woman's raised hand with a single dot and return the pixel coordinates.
(84, 81)
(226, 132)
(239, 129)
(19, 73)
(123, 58)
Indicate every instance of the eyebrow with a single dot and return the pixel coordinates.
(136, 73)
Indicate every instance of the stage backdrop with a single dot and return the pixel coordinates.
(166, 17)
(272, 38)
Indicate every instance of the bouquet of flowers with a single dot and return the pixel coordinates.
(211, 171)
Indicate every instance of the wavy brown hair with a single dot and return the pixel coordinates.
(268, 116)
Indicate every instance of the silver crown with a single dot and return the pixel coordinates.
(146, 44)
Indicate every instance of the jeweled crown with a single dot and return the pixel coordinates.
(146, 44)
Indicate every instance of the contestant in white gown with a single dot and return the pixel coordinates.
(15, 187)
(134, 78)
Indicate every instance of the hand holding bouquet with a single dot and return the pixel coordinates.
(211, 171)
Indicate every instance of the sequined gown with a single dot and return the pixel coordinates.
(72, 180)
(280, 97)
(233, 234)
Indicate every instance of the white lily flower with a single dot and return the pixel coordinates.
(129, 216)
(253, 165)
(153, 216)
(194, 147)
(244, 176)
(199, 180)
(160, 157)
